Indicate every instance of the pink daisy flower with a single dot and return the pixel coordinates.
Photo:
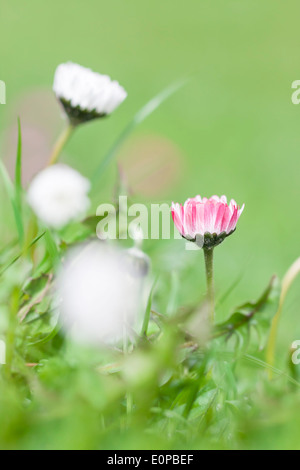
(206, 221)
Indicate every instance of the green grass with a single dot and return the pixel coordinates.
(236, 133)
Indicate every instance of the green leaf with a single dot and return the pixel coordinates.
(245, 313)
(91, 222)
(34, 285)
(141, 115)
(12, 196)
(46, 338)
(51, 247)
(17, 257)
(34, 292)
(78, 231)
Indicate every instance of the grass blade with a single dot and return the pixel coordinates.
(18, 171)
(11, 194)
(288, 280)
(15, 191)
(17, 257)
(227, 355)
(264, 365)
(148, 312)
(141, 115)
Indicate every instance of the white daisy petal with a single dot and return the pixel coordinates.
(58, 195)
(85, 94)
(98, 294)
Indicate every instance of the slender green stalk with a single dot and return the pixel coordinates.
(287, 281)
(10, 336)
(272, 341)
(209, 259)
(23, 252)
(148, 312)
(61, 142)
(141, 115)
(128, 397)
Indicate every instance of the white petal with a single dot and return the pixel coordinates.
(58, 195)
(87, 89)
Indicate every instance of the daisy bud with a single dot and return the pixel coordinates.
(84, 94)
(98, 299)
(58, 195)
(209, 221)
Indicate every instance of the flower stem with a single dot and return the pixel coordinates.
(11, 331)
(209, 259)
(287, 281)
(61, 142)
(128, 396)
(272, 342)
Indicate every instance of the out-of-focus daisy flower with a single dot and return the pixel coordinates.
(58, 195)
(84, 94)
(208, 221)
(98, 296)
(2, 352)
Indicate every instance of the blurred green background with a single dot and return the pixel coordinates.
(233, 129)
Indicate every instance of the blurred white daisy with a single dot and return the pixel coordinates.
(2, 352)
(97, 296)
(58, 195)
(84, 94)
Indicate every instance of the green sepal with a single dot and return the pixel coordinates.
(77, 115)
